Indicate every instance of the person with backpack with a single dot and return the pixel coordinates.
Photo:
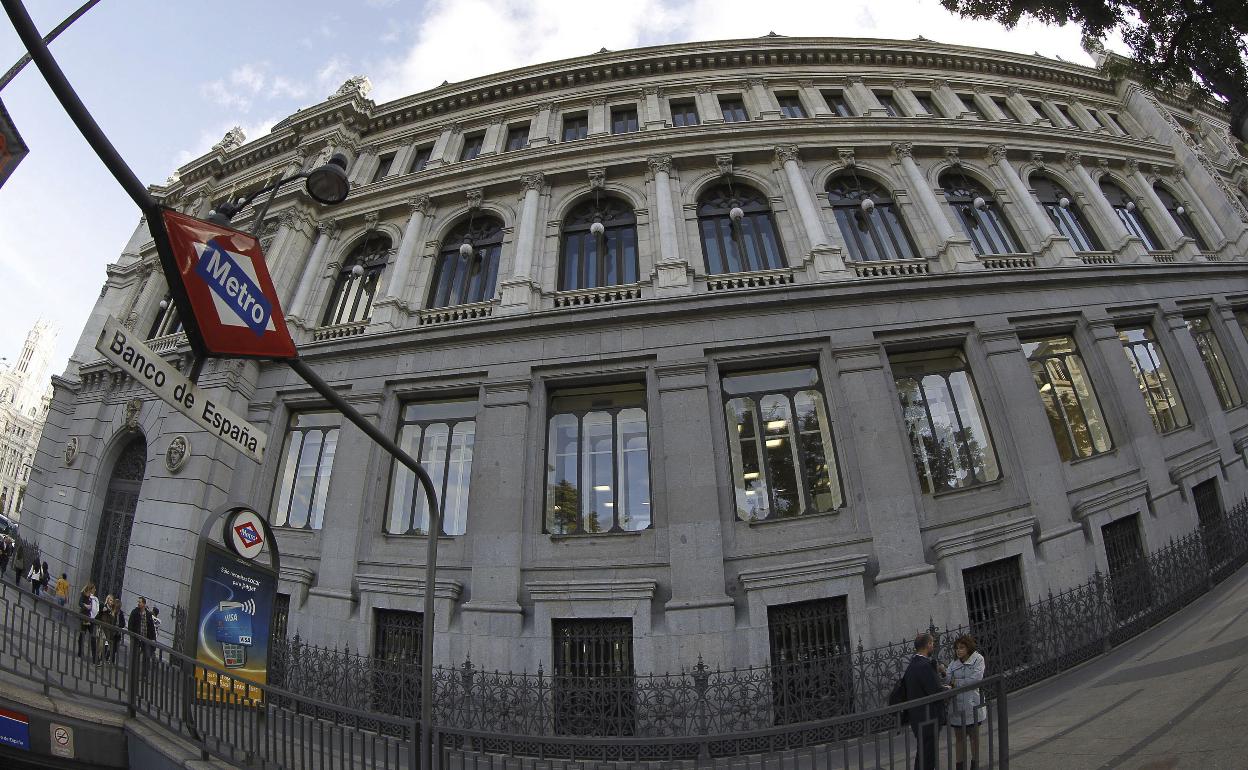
(922, 678)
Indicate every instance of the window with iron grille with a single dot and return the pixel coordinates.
(780, 444)
(397, 643)
(472, 146)
(733, 109)
(1215, 362)
(791, 106)
(575, 127)
(1152, 374)
(420, 159)
(1208, 505)
(281, 615)
(839, 104)
(624, 119)
(593, 677)
(598, 461)
(811, 674)
(517, 137)
(944, 420)
(997, 608)
(440, 435)
(383, 167)
(1069, 400)
(1128, 567)
(684, 113)
(307, 461)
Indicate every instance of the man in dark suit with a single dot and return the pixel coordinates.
(141, 624)
(922, 680)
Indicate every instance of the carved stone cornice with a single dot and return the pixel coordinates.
(786, 153)
(659, 164)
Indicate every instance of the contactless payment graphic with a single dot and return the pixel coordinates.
(232, 622)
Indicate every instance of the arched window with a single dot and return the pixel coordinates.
(1180, 216)
(740, 245)
(872, 231)
(981, 218)
(590, 259)
(356, 286)
(468, 275)
(1066, 217)
(167, 320)
(1129, 214)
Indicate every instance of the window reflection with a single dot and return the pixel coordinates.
(440, 436)
(307, 462)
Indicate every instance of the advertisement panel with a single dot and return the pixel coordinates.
(232, 630)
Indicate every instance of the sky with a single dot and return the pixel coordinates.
(166, 80)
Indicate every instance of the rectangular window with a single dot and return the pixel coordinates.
(472, 146)
(811, 671)
(838, 104)
(1044, 116)
(997, 608)
(440, 435)
(517, 137)
(1152, 374)
(307, 461)
(969, 105)
(575, 127)
(1069, 400)
(1064, 111)
(888, 103)
(1007, 114)
(1215, 362)
(684, 113)
(397, 641)
(593, 679)
(944, 420)
(383, 167)
(624, 119)
(1112, 117)
(780, 444)
(733, 109)
(420, 159)
(929, 106)
(791, 106)
(598, 461)
(1129, 584)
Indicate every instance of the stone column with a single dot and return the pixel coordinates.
(786, 155)
(814, 99)
(949, 101)
(1128, 247)
(495, 136)
(598, 117)
(518, 290)
(954, 248)
(327, 232)
(440, 154)
(365, 164)
(672, 270)
(1202, 216)
(539, 132)
(1085, 119)
(496, 502)
(286, 254)
(862, 99)
(767, 108)
(393, 296)
(708, 106)
(1168, 230)
(1054, 247)
(989, 107)
(1022, 108)
(699, 612)
(650, 112)
(906, 99)
(150, 290)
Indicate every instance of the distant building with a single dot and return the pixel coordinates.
(25, 394)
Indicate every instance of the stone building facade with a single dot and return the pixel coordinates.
(25, 394)
(699, 340)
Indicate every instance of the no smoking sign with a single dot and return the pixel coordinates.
(62, 740)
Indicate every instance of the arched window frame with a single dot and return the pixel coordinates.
(751, 245)
(1186, 225)
(460, 280)
(1128, 212)
(352, 298)
(588, 261)
(1068, 221)
(870, 236)
(987, 227)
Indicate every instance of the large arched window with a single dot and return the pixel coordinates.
(592, 256)
(1180, 216)
(738, 245)
(981, 218)
(356, 286)
(872, 231)
(1062, 209)
(1129, 214)
(463, 276)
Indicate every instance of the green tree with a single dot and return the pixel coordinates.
(1172, 41)
(566, 502)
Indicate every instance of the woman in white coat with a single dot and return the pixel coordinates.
(967, 710)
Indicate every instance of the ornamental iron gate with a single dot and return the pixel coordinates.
(397, 637)
(812, 676)
(594, 678)
(1213, 527)
(112, 541)
(1129, 581)
(997, 610)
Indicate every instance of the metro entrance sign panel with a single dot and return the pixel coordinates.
(226, 282)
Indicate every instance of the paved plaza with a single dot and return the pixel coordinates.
(1174, 697)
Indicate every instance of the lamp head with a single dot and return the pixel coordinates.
(979, 203)
(868, 205)
(357, 270)
(1180, 211)
(328, 184)
(465, 249)
(1064, 202)
(597, 228)
(736, 213)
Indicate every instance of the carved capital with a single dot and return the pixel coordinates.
(650, 91)
(370, 221)
(996, 153)
(1038, 159)
(420, 203)
(978, 89)
(474, 197)
(548, 107)
(786, 153)
(846, 155)
(951, 155)
(807, 83)
(660, 164)
(456, 129)
(900, 149)
(705, 89)
(601, 101)
(900, 84)
(1012, 91)
(288, 219)
(940, 84)
(1073, 159)
(597, 178)
(1133, 166)
(755, 82)
(854, 80)
(328, 228)
(724, 164)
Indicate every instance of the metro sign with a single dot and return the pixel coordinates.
(225, 281)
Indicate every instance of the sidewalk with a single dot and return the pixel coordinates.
(1175, 697)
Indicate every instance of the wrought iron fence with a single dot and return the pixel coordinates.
(1038, 640)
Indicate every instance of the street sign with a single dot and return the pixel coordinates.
(246, 533)
(120, 345)
(226, 283)
(12, 148)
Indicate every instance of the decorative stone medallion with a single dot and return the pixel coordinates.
(177, 453)
(71, 450)
(132, 413)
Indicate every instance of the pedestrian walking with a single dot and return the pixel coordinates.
(45, 577)
(143, 628)
(19, 563)
(89, 608)
(156, 622)
(6, 553)
(922, 678)
(62, 589)
(35, 576)
(968, 709)
(112, 620)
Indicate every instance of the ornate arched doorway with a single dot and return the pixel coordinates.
(112, 543)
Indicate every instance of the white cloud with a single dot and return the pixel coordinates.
(249, 77)
(207, 138)
(223, 95)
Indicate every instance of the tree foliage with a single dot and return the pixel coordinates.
(1172, 41)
